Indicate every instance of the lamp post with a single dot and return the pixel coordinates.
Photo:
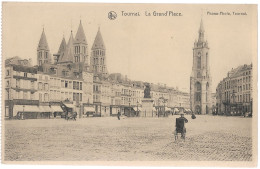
(137, 114)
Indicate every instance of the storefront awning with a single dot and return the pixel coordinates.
(25, 108)
(45, 109)
(89, 109)
(69, 105)
(56, 109)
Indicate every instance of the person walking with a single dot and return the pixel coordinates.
(118, 115)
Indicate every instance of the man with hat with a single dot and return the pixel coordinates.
(181, 120)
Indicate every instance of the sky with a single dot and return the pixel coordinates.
(156, 49)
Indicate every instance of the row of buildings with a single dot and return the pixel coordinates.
(78, 80)
(234, 92)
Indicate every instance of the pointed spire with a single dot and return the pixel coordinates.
(80, 36)
(98, 43)
(67, 56)
(201, 26)
(43, 44)
(62, 46)
(201, 32)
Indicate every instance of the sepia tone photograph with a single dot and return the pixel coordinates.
(129, 84)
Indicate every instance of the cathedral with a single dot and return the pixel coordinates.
(200, 80)
(74, 53)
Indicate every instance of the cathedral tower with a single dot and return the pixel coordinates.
(80, 46)
(98, 55)
(43, 51)
(200, 80)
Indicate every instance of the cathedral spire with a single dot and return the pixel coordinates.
(201, 26)
(80, 36)
(68, 53)
(43, 44)
(98, 43)
(62, 46)
(201, 31)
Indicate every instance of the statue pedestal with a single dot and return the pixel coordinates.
(147, 108)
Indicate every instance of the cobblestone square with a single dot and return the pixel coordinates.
(209, 138)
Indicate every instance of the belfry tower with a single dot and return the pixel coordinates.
(200, 80)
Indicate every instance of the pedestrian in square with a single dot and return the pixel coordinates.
(118, 115)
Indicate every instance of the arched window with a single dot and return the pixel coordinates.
(198, 86)
(199, 61)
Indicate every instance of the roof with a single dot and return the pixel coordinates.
(67, 56)
(80, 36)
(62, 46)
(43, 44)
(98, 43)
(20, 68)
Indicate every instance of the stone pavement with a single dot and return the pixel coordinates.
(208, 138)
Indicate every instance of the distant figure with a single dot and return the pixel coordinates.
(193, 116)
(118, 115)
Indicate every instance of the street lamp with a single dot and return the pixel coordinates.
(137, 108)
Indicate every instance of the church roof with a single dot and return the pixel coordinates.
(98, 43)
(43, 44)
(68, 54)
(62, 46)
(80, 36)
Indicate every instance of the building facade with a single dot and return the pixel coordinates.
(234, 92)
(80, 82)
(200, 80)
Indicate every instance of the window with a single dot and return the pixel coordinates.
(40, 63)
(40, 86)
(66, 84)
(198, 96)
(25, 74)
(74, 85)
(80, 96)
(40, 55)
(7, 73)
(46, 55)
(40, 97)
(80, 88)
(7, 83)
(46, 98)
(199, 61)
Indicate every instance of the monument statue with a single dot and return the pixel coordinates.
(147, 91)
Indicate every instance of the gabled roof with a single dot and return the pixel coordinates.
(98, 43)
(43, 44)
(80, 36)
